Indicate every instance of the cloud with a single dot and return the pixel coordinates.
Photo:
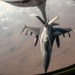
(51, 3)
(61, 13)
(70, 3)
(5, 28)
(1, 13)
(6, 19)
(33, 15)
(73, 4)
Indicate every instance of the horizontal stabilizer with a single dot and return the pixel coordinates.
(55, 24)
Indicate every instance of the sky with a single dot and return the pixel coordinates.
(13, 19)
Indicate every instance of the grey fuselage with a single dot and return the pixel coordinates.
(46, 42)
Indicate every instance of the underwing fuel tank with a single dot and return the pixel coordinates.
(26, 32)
(31, 33)
(25, 3)
(36, 40)
(57, 41)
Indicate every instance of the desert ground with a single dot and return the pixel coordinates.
(18, 56)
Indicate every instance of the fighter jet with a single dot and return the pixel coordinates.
(47, 37)
(48, 34)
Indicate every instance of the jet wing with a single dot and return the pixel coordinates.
(35, 30)
(61, 31)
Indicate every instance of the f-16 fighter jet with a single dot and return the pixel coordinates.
(48, 35)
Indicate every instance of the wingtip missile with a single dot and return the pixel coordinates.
(23, 29)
